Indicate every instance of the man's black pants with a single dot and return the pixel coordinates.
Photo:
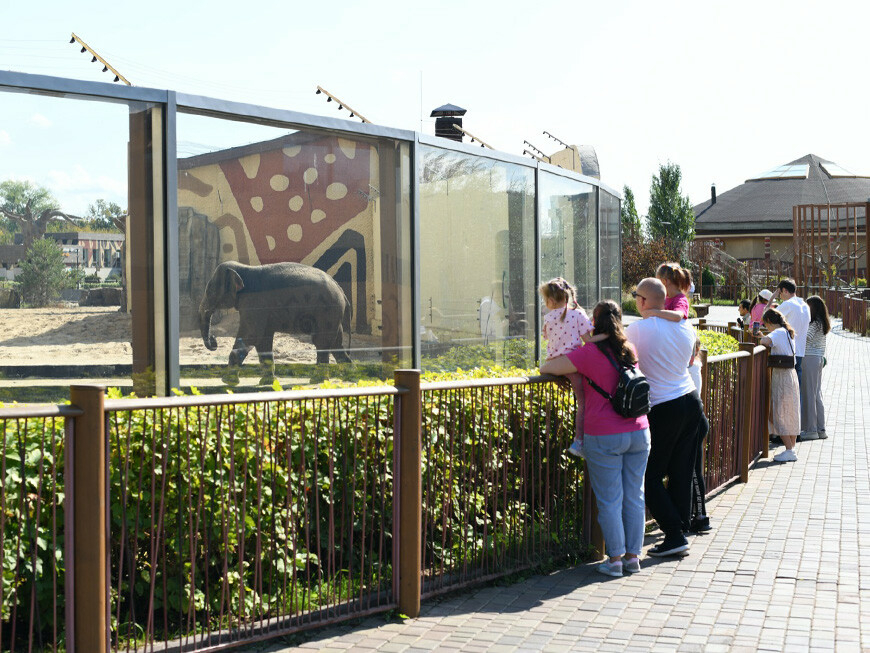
(699, 487)
(674, 433)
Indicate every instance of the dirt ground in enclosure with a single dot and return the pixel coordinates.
(78, 335)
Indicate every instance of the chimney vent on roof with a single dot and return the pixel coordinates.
(445, 117)
(712, 194)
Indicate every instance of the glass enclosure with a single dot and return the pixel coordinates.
(569, 234)
(66, 209)
(201, 243)
(611, 247)
(477, 261)
(293, 250)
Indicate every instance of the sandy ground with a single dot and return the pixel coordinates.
(76, 335)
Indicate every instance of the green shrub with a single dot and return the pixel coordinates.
(506, 353)
(629, 305)
(717, 343)
(43, 274)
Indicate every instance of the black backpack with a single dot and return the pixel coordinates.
(631, 397)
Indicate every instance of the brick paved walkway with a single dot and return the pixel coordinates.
(787, 566)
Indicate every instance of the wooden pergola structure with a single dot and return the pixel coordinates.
(830, 236)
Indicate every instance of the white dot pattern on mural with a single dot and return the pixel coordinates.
(294, 232)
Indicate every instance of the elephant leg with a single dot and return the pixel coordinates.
(267, 361)
(340, 353)
(326, 342)
(237, 357)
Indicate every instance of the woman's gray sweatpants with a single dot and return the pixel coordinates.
(812, 409)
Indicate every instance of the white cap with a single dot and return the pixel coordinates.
(765, 294)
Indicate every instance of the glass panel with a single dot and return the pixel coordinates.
(293, 249)
(795, 171)
(835, 170)
(568, 234)
(611, 251)
(64, 281)
(477, 273)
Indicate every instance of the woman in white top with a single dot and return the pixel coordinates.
(785, 411)
(812, 409)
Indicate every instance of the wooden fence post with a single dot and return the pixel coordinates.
(410, 492)
(746, 418)
(90, 564)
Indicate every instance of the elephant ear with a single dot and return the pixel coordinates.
(232, 285)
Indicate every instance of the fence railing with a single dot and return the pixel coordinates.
(197, 523)
(852, 308)
(33, 458)
(500, 493)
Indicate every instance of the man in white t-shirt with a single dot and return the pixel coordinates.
(664, 349)
(797, 313)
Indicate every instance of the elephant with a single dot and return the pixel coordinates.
(278, 297)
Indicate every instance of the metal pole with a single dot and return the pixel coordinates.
(90, 593)
(410, 491)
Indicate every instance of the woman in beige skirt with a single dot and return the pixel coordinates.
(785, 406)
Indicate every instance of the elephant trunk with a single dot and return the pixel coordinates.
(208, 339)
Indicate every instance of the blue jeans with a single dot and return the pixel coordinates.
(616, 465)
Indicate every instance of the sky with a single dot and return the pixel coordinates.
(724, 90)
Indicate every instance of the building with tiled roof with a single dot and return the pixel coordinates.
(753, 221)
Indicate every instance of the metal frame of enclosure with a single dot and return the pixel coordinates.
(529, 190)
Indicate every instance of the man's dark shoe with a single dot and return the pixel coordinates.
(776, 439)
(700, 525)
(675, 547)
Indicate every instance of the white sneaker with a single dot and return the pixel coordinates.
(576, 449)
(786, 456)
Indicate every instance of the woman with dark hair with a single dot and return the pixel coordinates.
(785, 410)
(616, 448)
(812, 408)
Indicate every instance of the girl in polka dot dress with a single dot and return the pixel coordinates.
(566, 327)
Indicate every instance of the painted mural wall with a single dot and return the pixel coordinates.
(303, 198)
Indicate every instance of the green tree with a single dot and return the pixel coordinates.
(631, 227)
(670, 214)
(43, 274)
(29, 209)
(104, 216)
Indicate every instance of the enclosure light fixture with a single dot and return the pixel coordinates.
(95, 58)
(341, 105)
(473, 137)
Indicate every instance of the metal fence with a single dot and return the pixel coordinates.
(500, 493)
(241, 521)
(32, 534)
(853, 307)
(736, 398)
(198, 523)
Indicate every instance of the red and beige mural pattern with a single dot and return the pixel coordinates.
(292, 201)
